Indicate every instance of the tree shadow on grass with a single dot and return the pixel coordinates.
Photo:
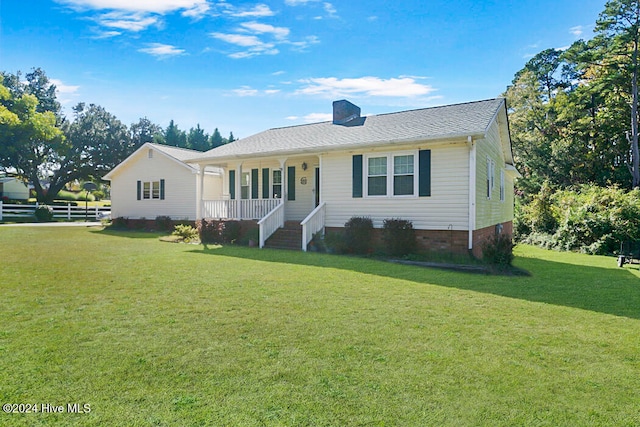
(614, 291)
(131, 234)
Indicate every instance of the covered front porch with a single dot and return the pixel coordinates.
(271, 191)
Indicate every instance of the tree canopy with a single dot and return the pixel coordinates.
(40, 145)
(574, 112)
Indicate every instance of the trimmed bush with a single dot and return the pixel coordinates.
(43, 213)
(334, 242)
(164, 223)
(120, 223)
(399, 237)
(498, 250)
(213, 231)
(358, 234)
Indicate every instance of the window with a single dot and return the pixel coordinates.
(244, 185)
(155, 190)
(502, 195)
(491, 165)
(403, 175)
(151, 190)
(402, 180)
(146, 190)
(377, 176)
(277, 183)
(410, 177)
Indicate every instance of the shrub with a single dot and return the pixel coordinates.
(498, 250)
(230, 231)
(186, 232)
(253, 235)
(218, 231)
(98, 194)
(43, 213)
(120, 223)
(399, 237)
(358, 233)
(164, 223)
(334, 242)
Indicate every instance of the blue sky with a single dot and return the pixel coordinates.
(246, 66)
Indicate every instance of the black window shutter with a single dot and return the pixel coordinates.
(424, 177)
(291, 183)
(232, 184)
(139, 190)
(265, 183)
(162, 189)
(357, 176)
(254, 183)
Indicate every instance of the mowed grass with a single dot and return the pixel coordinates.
(158, 334)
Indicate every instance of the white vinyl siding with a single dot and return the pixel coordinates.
(492, 208)
(446, 208)
(181, 188)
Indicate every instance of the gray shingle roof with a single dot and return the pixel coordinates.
(182, 154)
(450, 121)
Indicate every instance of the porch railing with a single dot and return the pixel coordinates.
(313, 223)
(238, 209)
(270, 223)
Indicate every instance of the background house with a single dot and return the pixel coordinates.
(447, 169)
(13, 188)
(156, 180)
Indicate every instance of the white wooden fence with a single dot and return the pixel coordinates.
(68, 211)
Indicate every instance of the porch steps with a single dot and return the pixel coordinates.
(287, 237)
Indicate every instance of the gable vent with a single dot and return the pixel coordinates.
(346, 113)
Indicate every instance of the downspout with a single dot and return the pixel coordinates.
(472, 189)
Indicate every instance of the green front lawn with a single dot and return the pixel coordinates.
(157, 334)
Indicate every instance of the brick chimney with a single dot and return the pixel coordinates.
(345, 113)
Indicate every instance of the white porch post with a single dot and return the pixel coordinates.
(238, 212)
(199, 210)
(285, 187)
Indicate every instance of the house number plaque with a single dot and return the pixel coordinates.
(303, 180)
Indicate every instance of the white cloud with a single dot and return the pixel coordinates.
(331, 10)
(244, 91)
(253, 43)
(333, 87)
(577, 30)
(258, 28)
(189, 7)
(258, 11)
(299, 2)
(136, 15)
(127, 21)
(64, 89)
(162, 51)
(106, 34)
(302, 46)
(252, 35)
